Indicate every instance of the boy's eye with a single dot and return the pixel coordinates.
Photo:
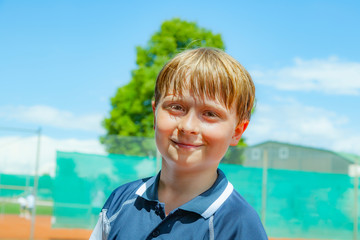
(176, 107)
(210, 114)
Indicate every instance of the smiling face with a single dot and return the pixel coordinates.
(203, 102)
(193, 133)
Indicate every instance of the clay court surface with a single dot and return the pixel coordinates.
(12, 227)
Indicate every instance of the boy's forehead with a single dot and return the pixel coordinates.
(189, 94)
(186, 92)
(210, 88)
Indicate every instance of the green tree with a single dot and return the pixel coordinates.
(131, 113)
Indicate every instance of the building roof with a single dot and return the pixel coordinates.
(348, 156)
(351, 157)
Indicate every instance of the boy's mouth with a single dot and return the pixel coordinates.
(185, 144)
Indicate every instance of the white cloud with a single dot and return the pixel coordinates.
(331, 76)
(18, 154)
(49, 116)
(293, 122)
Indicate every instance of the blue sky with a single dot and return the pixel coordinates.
(62, 61)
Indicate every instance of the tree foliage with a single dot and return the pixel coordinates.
(131, 113)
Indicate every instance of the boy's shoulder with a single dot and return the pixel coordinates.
(240, 216)
(123, 193)
(236, 205)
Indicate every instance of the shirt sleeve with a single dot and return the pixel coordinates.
(102, 228)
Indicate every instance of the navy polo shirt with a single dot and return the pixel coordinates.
(133, 211)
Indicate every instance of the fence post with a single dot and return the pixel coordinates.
(264, 187)
(36, 179)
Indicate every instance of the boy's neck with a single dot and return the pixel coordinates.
(177, 187)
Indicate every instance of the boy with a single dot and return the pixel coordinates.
(203, 102)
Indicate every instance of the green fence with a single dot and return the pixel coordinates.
(299, 204)
(84, 181)
(296, 204)
(13, 186)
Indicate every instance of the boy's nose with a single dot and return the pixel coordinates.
(189, 124)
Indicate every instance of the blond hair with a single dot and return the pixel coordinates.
(208, 73)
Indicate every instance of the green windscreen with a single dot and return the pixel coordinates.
(84, 181)
(13, 186)
(297, 204)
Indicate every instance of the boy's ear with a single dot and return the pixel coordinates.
(154, 111)
(153, 106)
(239, 130)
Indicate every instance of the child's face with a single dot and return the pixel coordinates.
(192, 133)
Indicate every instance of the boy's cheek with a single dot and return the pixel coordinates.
(162, 123)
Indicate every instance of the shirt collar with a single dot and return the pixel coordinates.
(206, 204)
(149, 189)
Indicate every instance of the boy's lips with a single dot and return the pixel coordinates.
(186, 144)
